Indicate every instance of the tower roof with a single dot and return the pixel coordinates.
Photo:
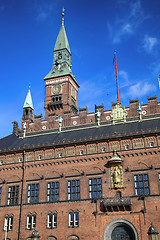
(62, 41)
(28, 101)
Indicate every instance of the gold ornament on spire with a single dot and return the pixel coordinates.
(63, 15)
(63, 12)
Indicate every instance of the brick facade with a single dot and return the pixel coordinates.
(86, 181)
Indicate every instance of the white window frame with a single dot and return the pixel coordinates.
(8, 223)
(151, 144)
(127, 147)
(60, 155)
(31, 222)
(53, 222)
(81, 152)
(103, 150)
(75, 222)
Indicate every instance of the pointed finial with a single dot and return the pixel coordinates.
(29, 85)
(63, 15)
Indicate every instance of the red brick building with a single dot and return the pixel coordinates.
(79, 175)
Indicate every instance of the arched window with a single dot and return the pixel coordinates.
(120, 229)
(122, 232)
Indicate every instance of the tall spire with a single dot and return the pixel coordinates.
(62, 55)
(62, 41)
(28, 101)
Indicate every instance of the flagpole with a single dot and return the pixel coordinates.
(115, 60)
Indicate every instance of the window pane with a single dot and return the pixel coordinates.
(73, 189)
(95, 188)
(53, 191)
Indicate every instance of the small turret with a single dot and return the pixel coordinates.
(28, 108)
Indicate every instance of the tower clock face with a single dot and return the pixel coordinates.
(56, 89)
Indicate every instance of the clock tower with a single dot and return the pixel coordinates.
(61, 88)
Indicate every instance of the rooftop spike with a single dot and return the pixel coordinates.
(63, 16)
(28, 101)
(62, 41)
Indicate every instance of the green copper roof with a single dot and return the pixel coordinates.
(28, 102)
(62, 41)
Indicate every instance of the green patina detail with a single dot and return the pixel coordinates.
(62, 56)
(28, 101)
(62, 41)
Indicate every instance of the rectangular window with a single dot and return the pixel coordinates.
(33, 193)
(52, 191)
(73, 189)
(8, 223)
(13, 195)
(141, 184)
(73, 219)
(52, 220)
(95, 188)
(31, 222)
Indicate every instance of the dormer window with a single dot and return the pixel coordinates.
(103, 150)
(81, 152)
(151, 144)
(60, 155)
(127, 147)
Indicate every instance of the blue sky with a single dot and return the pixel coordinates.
(29, 29)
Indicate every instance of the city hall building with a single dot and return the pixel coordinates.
(76, 175)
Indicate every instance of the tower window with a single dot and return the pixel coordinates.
(26, 113)
(20, 159)
(60, 56)
(40, 157)
(1, 162)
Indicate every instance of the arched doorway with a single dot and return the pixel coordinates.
(120, 229)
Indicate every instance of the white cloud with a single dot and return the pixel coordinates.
(123, 77)
(140, 89)
(149, 43)
(127, 25)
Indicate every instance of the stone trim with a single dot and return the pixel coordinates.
(118, 222)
